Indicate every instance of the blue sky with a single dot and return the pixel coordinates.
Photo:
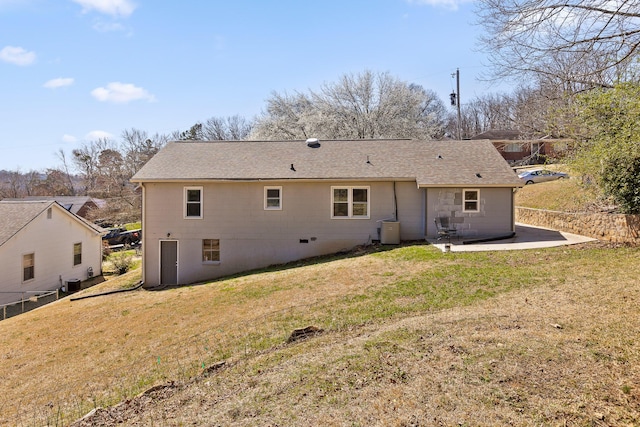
(75, 70)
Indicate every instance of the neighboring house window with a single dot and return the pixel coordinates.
(350, 202)
(272, 198)
(471, 200)
(513, 148)
(49, 211)
(193, 202)
(77, 254)
(210, 250)
(28, 267)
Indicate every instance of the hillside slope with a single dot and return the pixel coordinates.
(411, 336)
(566, 195)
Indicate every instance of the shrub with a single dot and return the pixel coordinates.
(122, 262)
(621, 180)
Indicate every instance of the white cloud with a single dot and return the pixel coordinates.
(17, 55)
(108, 7)
(447, 4)
(121, 93)
(59, 82)
(97, 134)
(107, 27)
(69, 138)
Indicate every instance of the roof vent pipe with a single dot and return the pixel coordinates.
(313, 142)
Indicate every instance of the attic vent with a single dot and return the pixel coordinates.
(313, 142)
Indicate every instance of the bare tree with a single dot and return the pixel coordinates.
(579, 43)
(232, 128)
(138, 148)
(65, 168)
(534, 111)
(366, 105)
(86, 160)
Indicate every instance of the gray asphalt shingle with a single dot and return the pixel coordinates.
(429, 163)
(14, 216)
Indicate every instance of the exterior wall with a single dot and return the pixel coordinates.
(495, 216)
(51, 240)
(252, 237)
(616, 228)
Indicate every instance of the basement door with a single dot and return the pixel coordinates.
(169, 262)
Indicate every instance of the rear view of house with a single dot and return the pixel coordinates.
(42, 246)
(212, 209)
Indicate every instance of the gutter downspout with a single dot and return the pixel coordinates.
(513, 210)
(144, 231)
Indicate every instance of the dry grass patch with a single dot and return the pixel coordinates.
(412, 337)
(560, 353)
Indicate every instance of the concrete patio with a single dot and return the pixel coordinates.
(526, 237)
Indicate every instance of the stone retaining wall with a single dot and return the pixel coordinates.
(616, 228)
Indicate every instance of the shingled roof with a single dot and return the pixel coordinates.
(71, 203)
(429, 163)
(15, 215)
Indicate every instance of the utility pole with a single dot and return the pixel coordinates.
(458, 91)
(455, 100)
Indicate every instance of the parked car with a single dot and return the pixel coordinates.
(541, 175)
(122, 236)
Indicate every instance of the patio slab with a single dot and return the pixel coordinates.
(526, 237)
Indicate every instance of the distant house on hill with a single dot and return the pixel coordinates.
(78, 205)
(212, 209)
(43, 246)
(518, 149)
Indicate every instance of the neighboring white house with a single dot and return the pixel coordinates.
(42, 246)
(212, 209)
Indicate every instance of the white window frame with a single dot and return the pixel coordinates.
(207, 261)
(186, 202)
(350, 202)
(33, 266)
(74, 254)
(465, 200)
(267, 198)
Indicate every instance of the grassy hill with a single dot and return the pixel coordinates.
(567, 195)
(411, 337)
(529, 337)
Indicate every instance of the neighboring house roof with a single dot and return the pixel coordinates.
(15, 215)
(429, 163)
(71, 203)
(500, 134)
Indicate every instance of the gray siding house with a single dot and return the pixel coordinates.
(212, 209)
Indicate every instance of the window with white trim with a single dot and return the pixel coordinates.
(77, 254)
(273, 198)
(210, 250)
(350, 202)
(28, 267)
(193, 202)
(471, 200)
